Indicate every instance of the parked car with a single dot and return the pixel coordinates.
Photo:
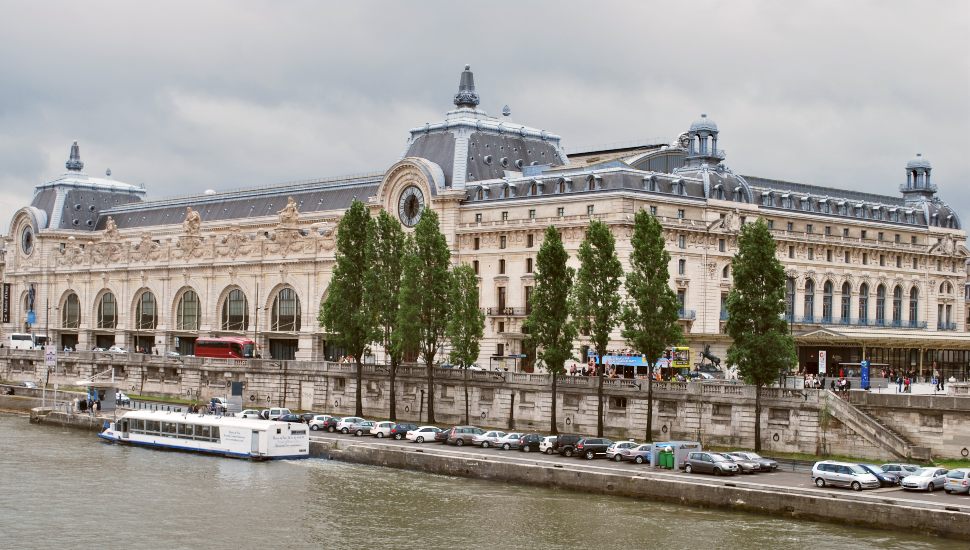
(926, 479)
(591, 447)
(488, 439)
(307, 417)
(902, 470)
(28, 384)
(401, 429)
(957, 481)
(638, 454)
(248, 413)
(529, 442)
(290, 418)
(566, 444)
(361, 428)
(745, 466)
(442, 436)
(886, 479)
(122, 399)
(613, 452)
(273, 413)
(117, 349)
(219, 404)
(171, 353)
(710, 463)
(548, 444)
(330, 424)
(843, 474)
(767, 464)
(509, 441)
(382, 429)
(462, 435)
(319, 422)
(422, 434)
(346, 422)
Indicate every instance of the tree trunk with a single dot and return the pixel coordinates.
(649, 402)
(392, 371)
(757, 418)
(599, 395)
(430, 368)
(466, 394)
(552, 428)
(512, 411)
(359, 399)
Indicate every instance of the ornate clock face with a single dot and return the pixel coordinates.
(27, 241)
(410, 206)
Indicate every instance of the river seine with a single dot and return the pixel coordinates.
(62, 488)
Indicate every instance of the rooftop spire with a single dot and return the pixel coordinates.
(74, 163)
(466, 96)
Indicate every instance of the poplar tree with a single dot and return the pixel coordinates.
(388, 247)
(423, 300)
(597, 298)
(466, 322)
(762, 347)
(651, 310)
(549, 326)
(347, 313)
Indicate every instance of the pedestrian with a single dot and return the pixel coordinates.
(899, 383)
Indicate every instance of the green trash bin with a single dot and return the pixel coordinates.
(667, 460)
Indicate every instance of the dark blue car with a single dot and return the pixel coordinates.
(886, 479)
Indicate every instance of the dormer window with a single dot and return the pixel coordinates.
(480, 195)
(719, 192)
(533, 189)
(650, 184)
(767, 199)
(786, 201)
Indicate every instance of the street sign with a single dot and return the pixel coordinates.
(50, 355)
(822, 358)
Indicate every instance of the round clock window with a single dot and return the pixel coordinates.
(410, 206)
(27, 240)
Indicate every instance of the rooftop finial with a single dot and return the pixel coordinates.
(74, 163)
(506, 111)
(466, 96)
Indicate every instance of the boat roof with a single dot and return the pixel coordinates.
(204, 419)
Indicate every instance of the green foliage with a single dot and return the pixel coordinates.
(549, 326)
(466, 322)
(762, 347)
(651, 310)
(597, 300)
(388, 247)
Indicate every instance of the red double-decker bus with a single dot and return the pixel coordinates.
(229, 347)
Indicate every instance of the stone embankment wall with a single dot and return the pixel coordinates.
(938, 422)
(716, 413)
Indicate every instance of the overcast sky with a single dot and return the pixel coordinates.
(188, 96)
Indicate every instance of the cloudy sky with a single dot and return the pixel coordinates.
(187, 96)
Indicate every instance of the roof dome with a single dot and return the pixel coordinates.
(703, 124)
(918, 162)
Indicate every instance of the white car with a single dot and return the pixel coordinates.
(122, 399)
(382, 429)
(613, 451)
(509, 441)
(487, 439)
(249, 413)
(926, 479)
(548, 444)
(422, 434)
(316, 423)
(346, 422)
(117, 349)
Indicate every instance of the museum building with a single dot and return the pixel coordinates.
(93, 262)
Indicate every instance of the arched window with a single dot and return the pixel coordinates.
(533, 189)
(913, 306)
(146, 314)
(561, 187)
(809, 300)
(827, 302)
(480, 194)
(188, 313)
(107, 311)
(790, 295)
(726, 272)
(881, 305)
(864, 303)
(719, 192)
(286, 311)
(71, 314)
(846, 309)
(235, 311)
(897, 305)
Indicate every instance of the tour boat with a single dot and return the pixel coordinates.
(249, 438)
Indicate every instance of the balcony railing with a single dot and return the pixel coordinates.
(506, 311)
(687, 315)
(878, 323)
(946, 326)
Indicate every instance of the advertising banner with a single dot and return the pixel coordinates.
(822, 359)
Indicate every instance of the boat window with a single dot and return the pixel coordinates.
(186, 430)
(137, 425)
(204, 432)
(215, 433)
(151, 426)
(169, 428)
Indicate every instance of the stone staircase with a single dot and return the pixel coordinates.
(872, 429)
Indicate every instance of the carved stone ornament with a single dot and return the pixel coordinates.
(147, 249)
(188, 246)
(111, 232)
(235, 244)
(193, 222)
(289, 215)
(711, 270)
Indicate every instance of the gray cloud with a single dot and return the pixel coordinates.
(185, 96)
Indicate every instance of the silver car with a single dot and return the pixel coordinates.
(613, 452)
(488, 439)
(926, 479)
(957, 481)
(843, 474)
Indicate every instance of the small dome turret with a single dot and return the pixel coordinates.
(704, 124)
(919, 162)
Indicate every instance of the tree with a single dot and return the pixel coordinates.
(466, 322)
(651, 310)
(762, 347)
(597, 297)
(423, 300)
(549, 326)
(388, 247)
(347, 312)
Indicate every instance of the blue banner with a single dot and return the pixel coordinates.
(31, 317)
(865, 374)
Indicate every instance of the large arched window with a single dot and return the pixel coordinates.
(146, 312)
(881, 305)
(235, 311)
(864, 303)
(827, 302)
(188, 313)
(107, 311)
(846, 309)
(913, 306)
(71, 314)
(897, 305)
(809, 300)
(286, 311)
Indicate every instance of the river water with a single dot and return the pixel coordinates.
(62, 488)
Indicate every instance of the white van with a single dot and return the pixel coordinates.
(21, 340)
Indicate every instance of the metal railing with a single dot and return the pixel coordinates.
(946, 326)
(877, 323)
(687, 315)
(506, 311)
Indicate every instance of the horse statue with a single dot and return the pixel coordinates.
(706, 354)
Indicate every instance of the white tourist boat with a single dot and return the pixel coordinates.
(250, 438)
